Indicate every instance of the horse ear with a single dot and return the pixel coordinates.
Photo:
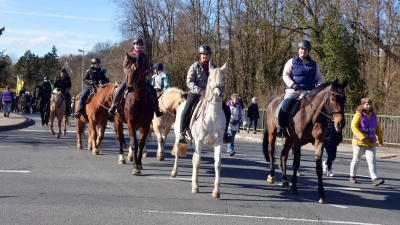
(344, 83)
(223, 68)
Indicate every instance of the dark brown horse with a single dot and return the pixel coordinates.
(96, 115)
(137, 112)
(307, 125)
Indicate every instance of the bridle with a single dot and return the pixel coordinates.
(217, 86)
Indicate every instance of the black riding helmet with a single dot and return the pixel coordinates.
(95, 60)
(158, 66)
(205, 49)
(304, 44)
(138, 41)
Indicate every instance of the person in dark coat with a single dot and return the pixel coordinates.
(253, 114)
(332, 140)
(63, 82)
(43, 97)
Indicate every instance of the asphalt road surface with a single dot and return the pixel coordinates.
(45, 180)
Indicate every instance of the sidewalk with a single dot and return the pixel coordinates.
(16, 121)
(344, 148)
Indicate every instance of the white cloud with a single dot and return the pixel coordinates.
(34, 42)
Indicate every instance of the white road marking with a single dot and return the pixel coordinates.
(4, 146)
(15, 171)
(260, 217)
(169, 178)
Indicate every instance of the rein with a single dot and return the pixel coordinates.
(327, 103)
(162, 102)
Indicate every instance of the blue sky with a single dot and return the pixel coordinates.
(37, 25)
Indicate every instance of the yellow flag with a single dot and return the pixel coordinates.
(20, 84)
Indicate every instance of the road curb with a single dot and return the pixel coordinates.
(25, 123)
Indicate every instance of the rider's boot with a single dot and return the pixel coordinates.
(182, 138)
(157, 111)
(227, 136)
(281, 124)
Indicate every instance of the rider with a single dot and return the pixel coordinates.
(160, 79)
(44, 95)
(197, 82)
(137, 49)
(63, 82)
(28, 98)
(300, 73)
(93, 76)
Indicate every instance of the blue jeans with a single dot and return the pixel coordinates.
(231, 146)
(255, 119)
(7, 108)
(84, 96)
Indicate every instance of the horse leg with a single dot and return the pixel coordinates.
(174, 171)
(133, 142)
(66, 123)
(196, 160)
(164, 138)
(319, 147)
(100, 134)
(296, 164)
(142, 142)
(79, 133)
(283, 159)
(59, 121)
(93, 137)
(271, 154)
(52, 115)
(160, 140)
(119, 134)
(217, 165)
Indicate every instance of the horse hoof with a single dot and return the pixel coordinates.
(160, 156)
(298, 173)
(174, 174)
(121, 161)
(285, 184)
(322, 200)
(136, 172)
(294, 190)
(130, 159)
(145, 155)
(216, 195)
(195, 190)
(95, 152)
(271, 180)
(58, 136)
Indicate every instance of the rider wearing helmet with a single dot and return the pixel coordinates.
(196, 80)
(44, 95)
(160, 79)
(94, 75)
(63, 82)
(137, 49)
(300, 73)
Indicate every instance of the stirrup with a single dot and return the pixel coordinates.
(279, 132)
(77, 114)
(227, 138)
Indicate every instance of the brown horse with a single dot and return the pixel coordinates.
(96, 116)
(57, 109)
(21, 104)
(307, 125)
(137, 111)
(168, 103)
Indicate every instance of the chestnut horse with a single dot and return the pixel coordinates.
(307, 125)
(138, 111)
(168, 102)
(57, 109)
(21, 104)
(96, 115)
(207, 128)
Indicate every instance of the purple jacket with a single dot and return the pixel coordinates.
(368, 127)
(7, 96)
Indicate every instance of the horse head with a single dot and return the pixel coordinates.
(216, 83)
(133, 70)
(335, 102)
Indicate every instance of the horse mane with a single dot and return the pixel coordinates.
(319, 88)
(215, 75)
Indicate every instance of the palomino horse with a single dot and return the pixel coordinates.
(137, 111)
(97, 117)
(57, 109)
(21, 104)
(307, 125)
(207, 129)
(168, 103)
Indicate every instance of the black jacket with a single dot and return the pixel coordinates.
(96, 76)
(252, 111)
(332, 138)
(62, 82)
(45, 92)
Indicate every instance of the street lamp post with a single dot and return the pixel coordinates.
(83, 63)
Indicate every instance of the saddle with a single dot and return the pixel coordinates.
(294, 105)
(91, 94)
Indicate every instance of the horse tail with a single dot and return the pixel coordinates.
(265, 144)
(179, 149)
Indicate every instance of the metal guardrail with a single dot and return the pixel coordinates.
(390, 127)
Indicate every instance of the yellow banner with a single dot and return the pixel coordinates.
(20, 84)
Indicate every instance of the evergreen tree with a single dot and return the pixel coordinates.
(50, 64)
(28, 66)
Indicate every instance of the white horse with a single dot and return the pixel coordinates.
(168, 103)
(207, 128)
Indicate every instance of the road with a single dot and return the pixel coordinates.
(45, 180)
